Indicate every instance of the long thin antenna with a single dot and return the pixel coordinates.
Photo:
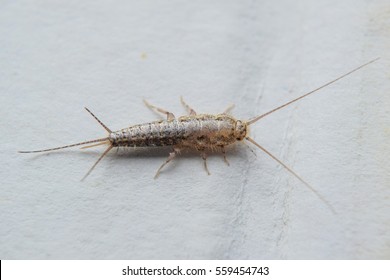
(67, 146)
(293, 173)
(255, 119)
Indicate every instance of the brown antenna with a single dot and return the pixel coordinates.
(255, 119)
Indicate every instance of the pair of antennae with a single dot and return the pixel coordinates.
(257, 118)
(102, 141)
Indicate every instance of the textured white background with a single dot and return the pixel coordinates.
(58, 56)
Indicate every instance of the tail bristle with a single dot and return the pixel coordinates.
(99, 121)
(96, 163)
(67, 146)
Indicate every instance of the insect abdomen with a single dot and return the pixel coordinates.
(154, 134)
(200, 131)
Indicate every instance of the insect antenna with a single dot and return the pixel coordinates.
(293, 173)
(255, 119)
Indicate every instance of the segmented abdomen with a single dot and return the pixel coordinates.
(160, 133)
(200, 131)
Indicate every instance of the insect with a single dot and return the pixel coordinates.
(202, 132)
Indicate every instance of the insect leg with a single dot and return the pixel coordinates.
(172, 155)
(170, 116)
(188, 108)
(204, 157)
(224, 155)
(228, 109)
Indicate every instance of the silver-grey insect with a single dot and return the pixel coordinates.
(202, 132)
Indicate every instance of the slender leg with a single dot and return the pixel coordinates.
(170, 116)
(172, 155)
(228, 109)
(188, 108)
(204, 157)
(224, 155)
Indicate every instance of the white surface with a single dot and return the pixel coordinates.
(57, 57)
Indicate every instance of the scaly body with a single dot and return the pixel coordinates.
(201, 132)
(198, 131)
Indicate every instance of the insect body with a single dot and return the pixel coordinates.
(202, 132)
(198, 131)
